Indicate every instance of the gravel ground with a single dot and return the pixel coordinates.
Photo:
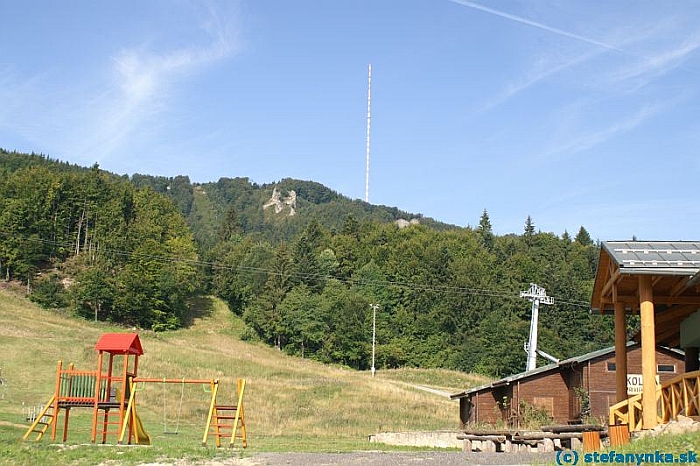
(395, 459)
(371, 458)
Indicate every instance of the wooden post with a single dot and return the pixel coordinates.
(646, 309)
(65, 425)
(548, 445)
(123, 393)
(467, 445)
(576, 443)
(212, 410)
(55, 403)
(691, 359)
(591, 441)
(95, 408)
(620, 352)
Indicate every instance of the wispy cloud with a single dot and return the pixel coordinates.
(533, 79)
(520, 19)
(603, 79)
(98, 116)
(587, 140)
(143, 80)
(652, 66)
(638, 69)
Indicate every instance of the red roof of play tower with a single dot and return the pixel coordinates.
(120, 343)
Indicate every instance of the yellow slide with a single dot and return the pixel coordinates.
(142, 437)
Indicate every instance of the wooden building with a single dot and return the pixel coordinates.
(559, 388)
(659, 280)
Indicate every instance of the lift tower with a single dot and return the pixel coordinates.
(537, 295)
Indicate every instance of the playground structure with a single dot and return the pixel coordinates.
(112, 398)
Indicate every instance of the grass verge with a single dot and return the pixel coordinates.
(291, 404)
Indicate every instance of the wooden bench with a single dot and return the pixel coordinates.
(549, 439)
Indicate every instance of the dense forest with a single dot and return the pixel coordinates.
(135, 250)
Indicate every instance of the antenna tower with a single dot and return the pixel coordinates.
(537, 295)
(369, 118)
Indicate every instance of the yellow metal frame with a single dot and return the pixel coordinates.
(37, 421)
(212, 408)
(239, 416)
(238, 419)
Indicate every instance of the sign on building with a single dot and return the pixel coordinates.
(634, 383)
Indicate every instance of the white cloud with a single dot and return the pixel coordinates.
(534, 78)
(587, 140)
(143, 80)
(650, 67)
(95, 116)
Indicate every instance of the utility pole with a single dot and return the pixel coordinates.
(537, 295)
(374, 332)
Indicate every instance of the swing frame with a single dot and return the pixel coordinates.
(144, 380)
(179, 410)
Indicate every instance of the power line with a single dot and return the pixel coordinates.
(413, 286)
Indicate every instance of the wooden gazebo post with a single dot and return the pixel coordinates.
(661, 280)
(646, 310)
(620, 351)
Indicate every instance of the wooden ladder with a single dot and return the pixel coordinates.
(109, 423)
(39, 426)
(227, 419)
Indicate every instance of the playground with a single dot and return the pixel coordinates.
(110, 394)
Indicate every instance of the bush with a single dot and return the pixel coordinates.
(164, 321)
(48, 292)
(533, 417)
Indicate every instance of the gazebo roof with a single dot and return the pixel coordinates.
(120, 343)
(673, 267)
(655, 257)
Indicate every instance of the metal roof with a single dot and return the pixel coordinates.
(120, 343)
(695, 280)
(655, 257)
(549, 367)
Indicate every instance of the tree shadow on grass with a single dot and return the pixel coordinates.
(197, 308)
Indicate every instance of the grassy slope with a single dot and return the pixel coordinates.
(291, 404)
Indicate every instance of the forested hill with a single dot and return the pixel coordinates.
(205, 205)
(135, 250)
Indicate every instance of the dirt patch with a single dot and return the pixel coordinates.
(14, 424)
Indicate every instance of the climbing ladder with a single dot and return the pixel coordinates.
(110, 424)
(227, 421)
(43, 421)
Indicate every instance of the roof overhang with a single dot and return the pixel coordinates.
(672, 266)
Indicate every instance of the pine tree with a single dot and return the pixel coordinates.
(529, 230)
(566, 237)
(583, 238)
(485, 230)
(230, 227)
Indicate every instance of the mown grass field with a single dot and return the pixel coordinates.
(291, 404)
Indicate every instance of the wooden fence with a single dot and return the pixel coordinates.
(680, 395)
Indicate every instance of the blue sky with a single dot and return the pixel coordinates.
(572, 112)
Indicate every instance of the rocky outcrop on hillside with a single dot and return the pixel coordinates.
(401, 223)
(279, 202)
